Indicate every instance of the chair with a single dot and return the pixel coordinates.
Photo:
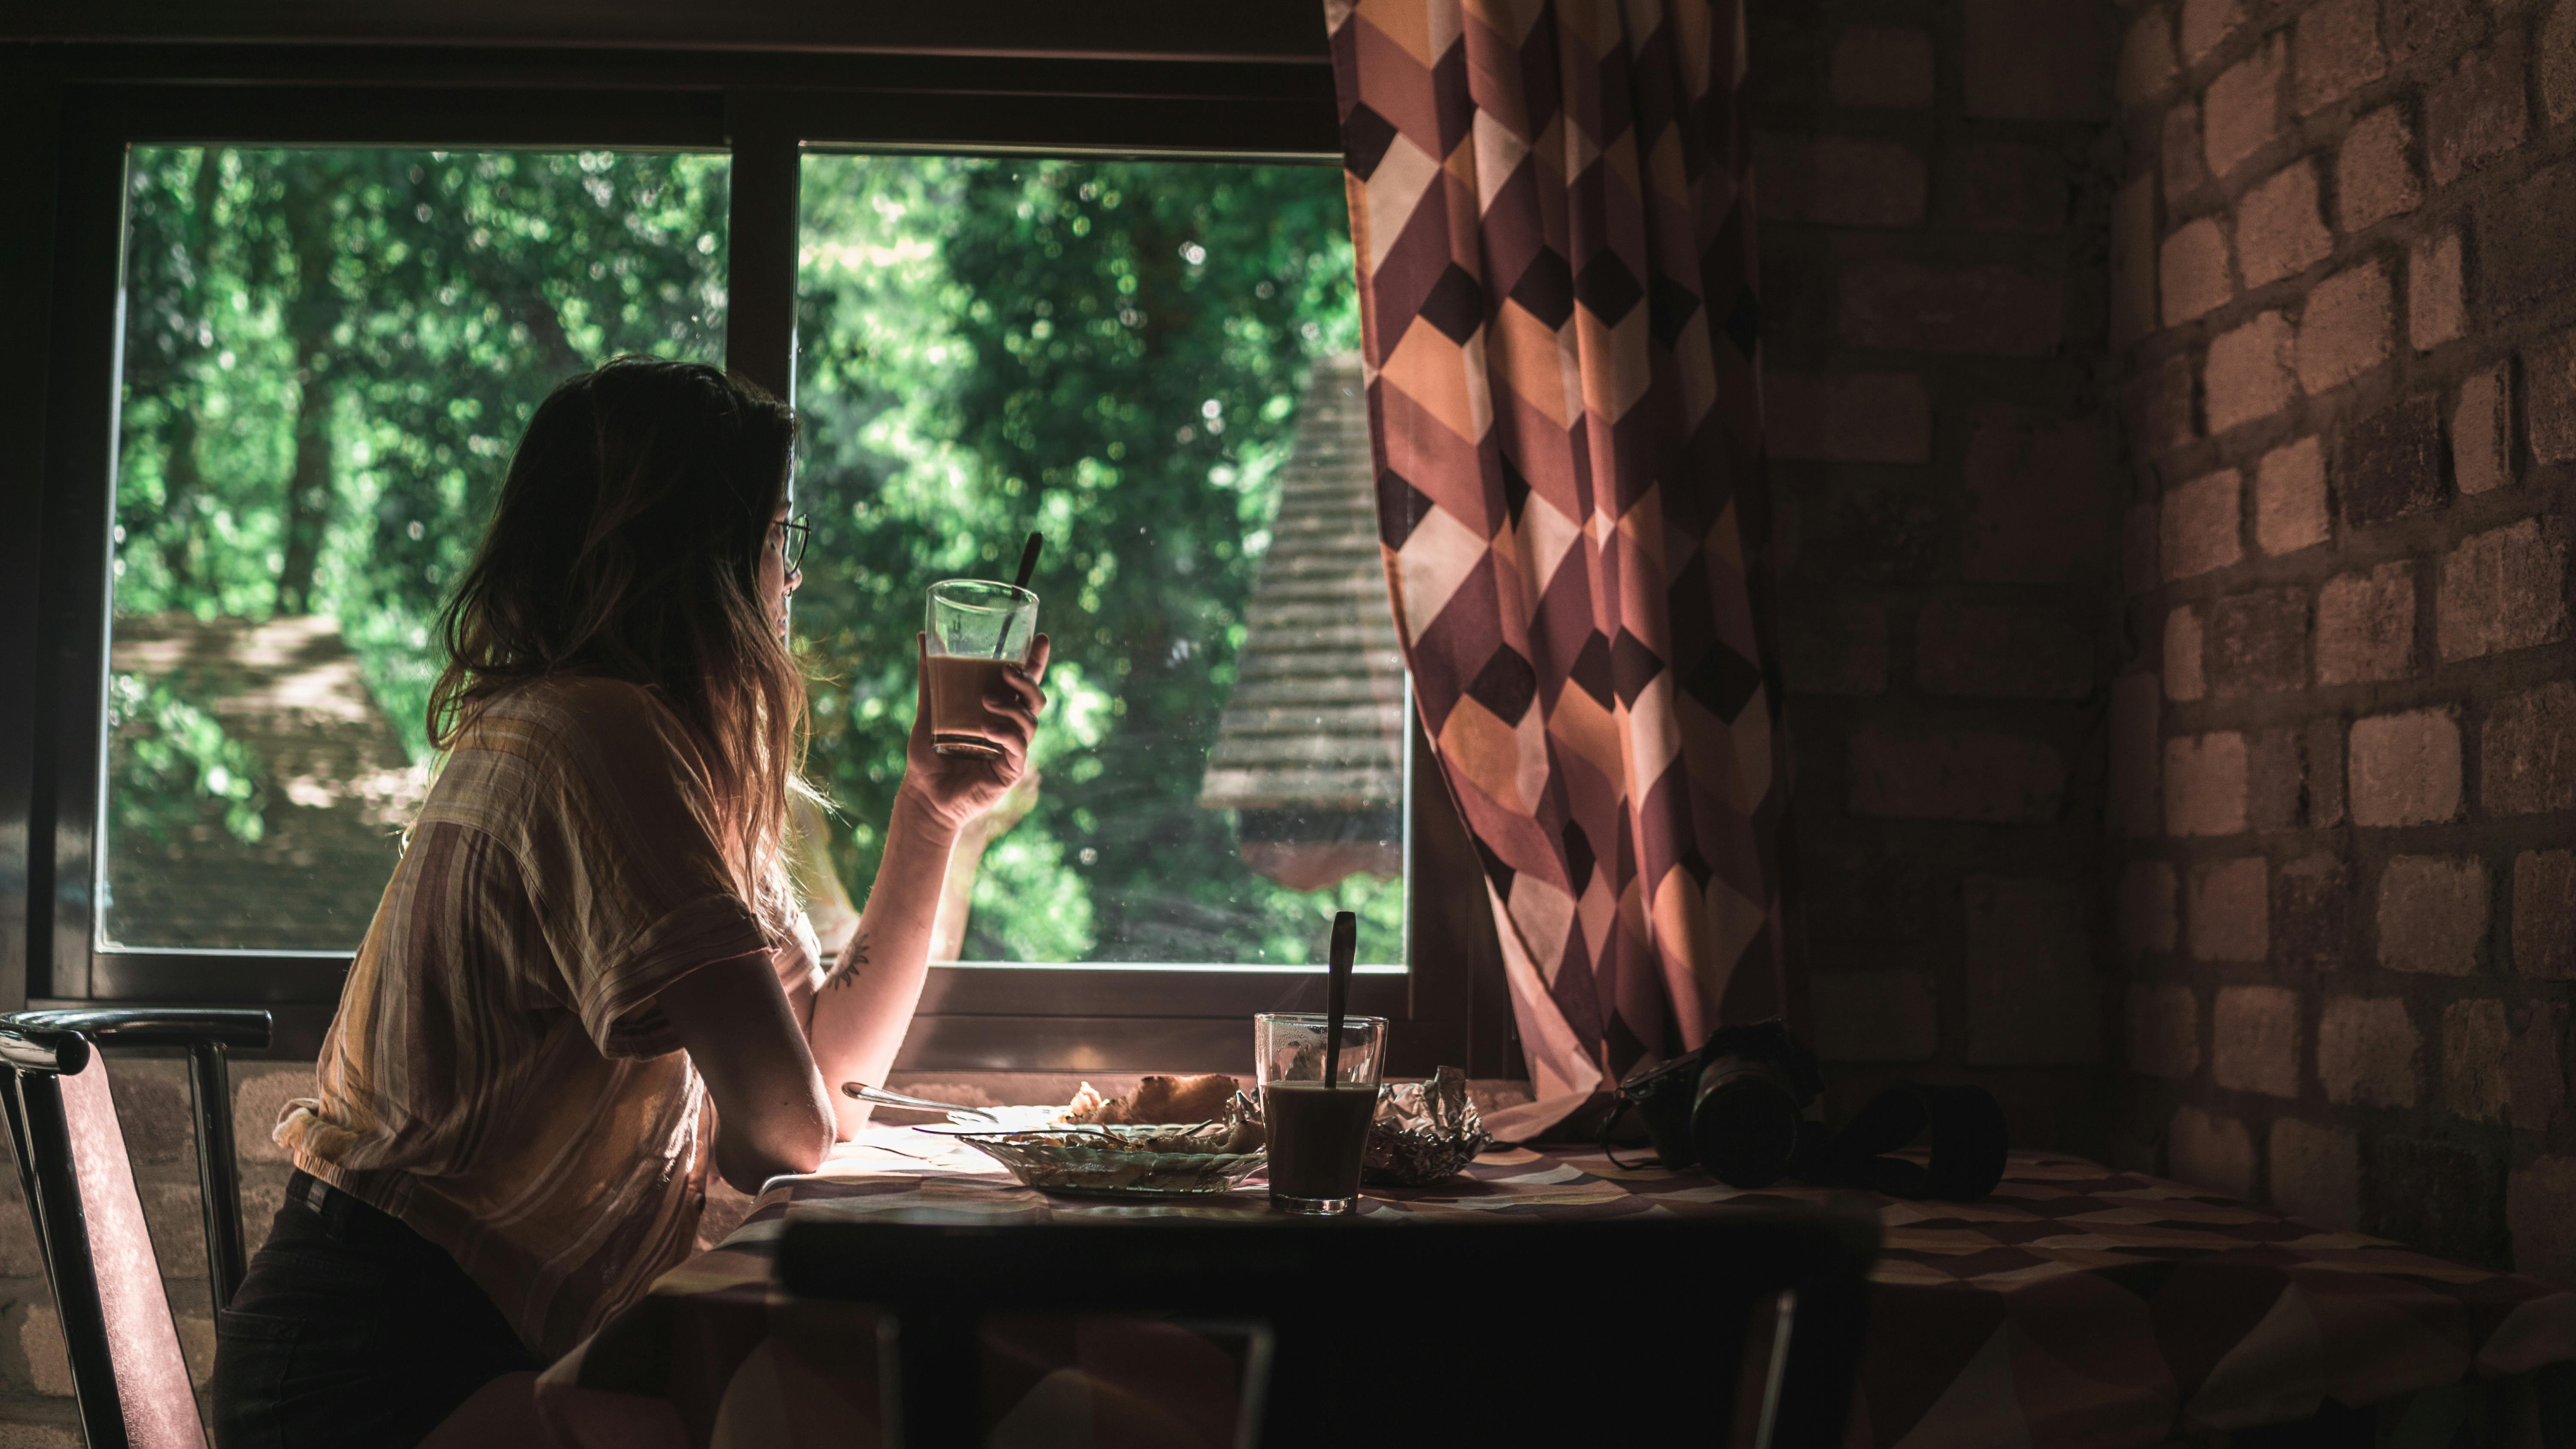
(126, 1367)
(1504, 1332)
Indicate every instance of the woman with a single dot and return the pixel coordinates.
(588, 980)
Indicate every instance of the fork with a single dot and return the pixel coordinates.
(883, 1098)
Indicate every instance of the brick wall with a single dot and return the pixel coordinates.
(1936, 185)
(36, 1407)
(2343, 743)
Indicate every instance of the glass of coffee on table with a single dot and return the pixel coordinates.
(1317, 1129)
(977, 629)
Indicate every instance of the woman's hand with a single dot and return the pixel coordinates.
(953, 789)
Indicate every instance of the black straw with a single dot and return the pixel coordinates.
(1346, 939)
(1028, 566)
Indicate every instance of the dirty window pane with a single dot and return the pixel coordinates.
(329, 355)
(1154, 364)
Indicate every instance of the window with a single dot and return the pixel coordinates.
(328, 358)
(1154, 363)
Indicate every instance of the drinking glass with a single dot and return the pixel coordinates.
(1316, 1128)
(977, 629)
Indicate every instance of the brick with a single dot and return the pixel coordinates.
(38, 1436)
(2390, 464)
(2147, 56)
(2159, 405)
(1877, 65)
(2011, 653)
(2544, 914)
(2535, 1079)
(2420, 28)
(2558, 62)
(2184, 640)
(2316, 1174)
(2550, 377)
(49, 1364)
(152, 1110)
(2503, 589)
(258, 1098)
(2540, 1211)
(1831, 646)
(1875, 1016)
(1956, 775)
(1839, 180)
(2147, 915)
(2254, 1040)
(2211, 1152)
(2290, 511)
(2039, 60)
(2375, 171)
(1986, 310)
(2164, 1031)
(2032, 996)
(2325, 756)
(2523, 257)
(2345, 329)
(2432, 914)
(2275, 783)
(2311, 916)
(2482, 431)
(2528, 752)
(2258, 642)
(2179, 159)
(2477, 112)
(2280, 230)
(2137, 757)
(2204, 24)
(2205, 784)
(1858, 417)
(2230, 915)
(2200, 525)
(2192, 272)
(2339, 52)
(2405, 768)
(2435, 306)
(2133, 261)
(2445, 1199)
(2366, 625)
(2473, 1059)
(2018, 188)
(2249, 373)
(2035, 499)
(2368, 1053)
(2241, 111)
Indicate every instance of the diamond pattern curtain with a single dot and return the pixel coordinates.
(1553, 215)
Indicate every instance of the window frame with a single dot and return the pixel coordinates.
(767, 110)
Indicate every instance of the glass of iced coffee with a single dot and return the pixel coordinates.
(977, 629)
(1317, 1128)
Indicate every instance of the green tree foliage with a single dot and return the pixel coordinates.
(331, 354)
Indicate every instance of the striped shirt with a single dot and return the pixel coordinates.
(499, 1075)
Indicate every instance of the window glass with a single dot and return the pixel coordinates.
(328, 358)
(1154, 364)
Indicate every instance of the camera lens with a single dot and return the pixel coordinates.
(1745, 1125)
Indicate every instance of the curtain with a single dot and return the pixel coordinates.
(1552, 211)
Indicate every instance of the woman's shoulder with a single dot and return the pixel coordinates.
(578, 719)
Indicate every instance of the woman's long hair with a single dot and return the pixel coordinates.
(627, 545)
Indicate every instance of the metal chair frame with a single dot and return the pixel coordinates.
(40, 1048)
(1655, 1318)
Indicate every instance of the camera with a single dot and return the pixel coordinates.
(1735, 1106)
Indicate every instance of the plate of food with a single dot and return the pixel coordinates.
(1171, 1137)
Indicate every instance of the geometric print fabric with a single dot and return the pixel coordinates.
(1552, 211)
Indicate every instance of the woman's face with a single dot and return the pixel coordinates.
(776, 580)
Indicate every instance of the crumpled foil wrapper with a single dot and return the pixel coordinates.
(1424, 1132)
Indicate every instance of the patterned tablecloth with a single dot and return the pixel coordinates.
(2076, 1307)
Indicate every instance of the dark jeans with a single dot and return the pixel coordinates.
(351, 1329)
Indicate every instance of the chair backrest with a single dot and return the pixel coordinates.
(127, 1370)
(1416, 1333)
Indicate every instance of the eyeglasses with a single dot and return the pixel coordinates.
(792, 534)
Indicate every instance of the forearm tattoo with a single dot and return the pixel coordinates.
(853, 956)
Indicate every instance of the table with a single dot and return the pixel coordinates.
(2077, 1308)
